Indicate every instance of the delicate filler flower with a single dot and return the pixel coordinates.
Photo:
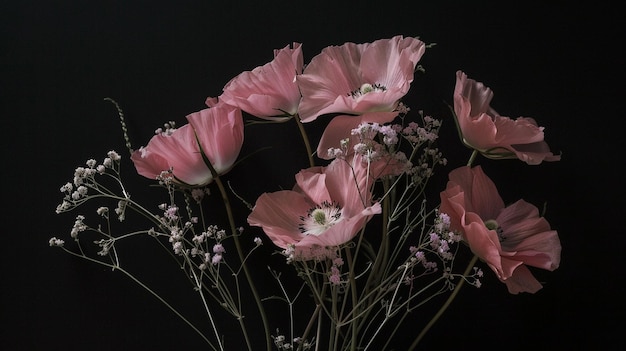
(326, 208)
(269, 91)
(507, 238)
(212, 135)
(358, 78)
(493, 135)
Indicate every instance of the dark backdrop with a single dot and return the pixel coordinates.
(160, 60)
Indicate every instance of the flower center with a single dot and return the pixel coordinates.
(367, 88)
(320, 218)
(491, 224)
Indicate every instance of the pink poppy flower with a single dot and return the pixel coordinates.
(358, 78)
(326, 208)
(214, 134)
(270, 91)
(495, 136)
(508, 238)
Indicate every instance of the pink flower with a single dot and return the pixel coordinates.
(358, 78)
(508, 238)
(326, 208)
(214, 134)
(269, 91)
(495, 136)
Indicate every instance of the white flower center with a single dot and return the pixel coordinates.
(320, 218)
(367, 88)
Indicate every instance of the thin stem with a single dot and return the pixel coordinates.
(305, 138)
(233, 227)
(445, 305)
(140, 283)
(208, 310)
(472, 158)
(353, 294)
(120, 113)
(309, 326)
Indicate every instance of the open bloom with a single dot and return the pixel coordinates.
(269, 91)
(507, 238)
(495, 136)
(326, 208)
(212, 135)
(358, 78)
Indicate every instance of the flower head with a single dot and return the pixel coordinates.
(495, 136)
(507, 238)
(269, 91)
(326, 208)
(358, 78)
(212, 135)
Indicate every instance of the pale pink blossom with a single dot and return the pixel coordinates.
(212, 135)
(508, 238)
(326, 208)
(269, 91)
(358, 78)
(496, 136)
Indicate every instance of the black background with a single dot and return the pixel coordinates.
(160, 60)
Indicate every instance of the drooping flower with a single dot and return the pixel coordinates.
(493, 135)
(269, 91)
(212, 135)
(325, 209)
(358, 78)
(508, 238)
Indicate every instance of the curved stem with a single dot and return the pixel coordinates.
(235, 234)
(445, 305)
(305, 138)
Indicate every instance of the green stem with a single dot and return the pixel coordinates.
(456, 289)
(472, 158)
(445, 305)
(235, 234)
(305, 138)
(353, 294)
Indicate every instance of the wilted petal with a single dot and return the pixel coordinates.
(493, 135)
(522, 280)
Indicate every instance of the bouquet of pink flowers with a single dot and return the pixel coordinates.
(363, 245)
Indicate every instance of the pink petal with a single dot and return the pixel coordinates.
(269, 91)
(179, 152)
(338, 234)
(493, 135)
(481, 192)
(312, 183)
(279, 214)
(219, 131)
(328, 81)
(529, 236)
(340, 127)
(522, 280)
